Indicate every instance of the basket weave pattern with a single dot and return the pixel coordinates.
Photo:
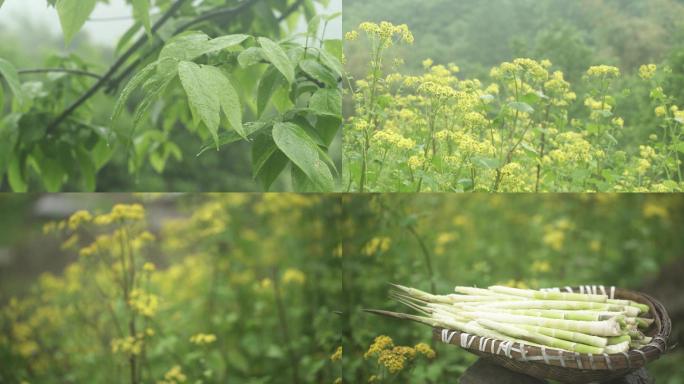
(570, 367)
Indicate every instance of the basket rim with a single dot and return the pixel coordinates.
(522, 353)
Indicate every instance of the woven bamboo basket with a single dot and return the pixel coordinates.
(570, 367)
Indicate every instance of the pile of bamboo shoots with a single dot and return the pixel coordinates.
(576, 322)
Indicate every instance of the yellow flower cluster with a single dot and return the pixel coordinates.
(293, 276)
(425, 350)
(415, 162)
(386, 32)
(395, 139)
(337, 355)
(531, 69)
(78, 218)
(393, 360)
(174, 375)
(605, 71)
(144, 303)
(121, 212)
(128, 345)
(377, 245)
(647, 72)
(203, 338)
(380, 343)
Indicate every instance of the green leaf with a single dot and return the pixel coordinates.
(314, 26)
(209, 91)
(141, 12)
(268, 161)
(9, 132)
(278, 57)
(331, 56)
(318, 72)
(221, 43)
(281, 99)
(88, 169)
(250, 56)
(521, 107)
(15, 175)
(293, 141)
(680, 147)
(486, 162)
(139, 79)
(9, 73)
(72, 15)
(268, 84)
(231, 137)
(327, 102)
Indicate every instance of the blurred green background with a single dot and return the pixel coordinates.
(630, 241)
(258, 271)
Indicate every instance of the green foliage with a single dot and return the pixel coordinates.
(181, 79)
(522, 128)
(72, 15)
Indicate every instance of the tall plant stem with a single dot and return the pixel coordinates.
(282, 318)
(428, 258)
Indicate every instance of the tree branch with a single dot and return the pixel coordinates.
(63, 70)
(233, 11)
(112, 70)
(114, 83)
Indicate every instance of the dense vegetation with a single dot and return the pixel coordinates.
(210, 289)
(196, 76)
(554, 120)
(435, 242)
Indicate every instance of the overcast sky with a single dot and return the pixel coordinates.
(14, 13)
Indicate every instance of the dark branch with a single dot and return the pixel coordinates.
(232, 11)
(112, 70)
(114, 84)
(62, 70)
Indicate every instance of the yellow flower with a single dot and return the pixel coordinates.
(660, 111)
(351, 36)
(425, 350)
(380, 343)
(646, 72)
(427, 63)
(393, 361)
(203, 339)
(144, 303)
(149, 267)
(415, 162)
(337, 356)
(554, 238)
(541, 266)
(128, 345)
(603, 71)
(651, 209)
(78, 218)
(294, 276)
(175, 375)
(377, 245)
(266, 283)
